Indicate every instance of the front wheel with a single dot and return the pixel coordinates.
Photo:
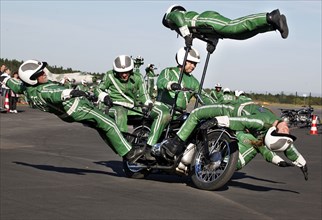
(223, 152)
(135, 170)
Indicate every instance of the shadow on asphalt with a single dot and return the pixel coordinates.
(259, 188)
(68, 170)
(116, 166)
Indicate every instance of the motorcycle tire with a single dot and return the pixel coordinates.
(211, 177)
(133, 170)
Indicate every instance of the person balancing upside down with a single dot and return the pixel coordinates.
(211, 22)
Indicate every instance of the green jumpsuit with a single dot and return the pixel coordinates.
(54, 98)
(251, 121)
(217, 96)
(82, 87)
(171, 75)
(130, 94)
(239, 29)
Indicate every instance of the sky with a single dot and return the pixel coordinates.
(89, 35)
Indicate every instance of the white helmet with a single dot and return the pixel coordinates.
(193, 56)
(123, 64)
(277, 141)
(218, 85)
(239, 93)
(30, 70)
(171, 9)
(226, 90)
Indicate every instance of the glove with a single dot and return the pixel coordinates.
(208, 124)
(175, 86)
(77, 93)
(108, 101)
(148, 108)
(285, 164)
(305, 173)
(188, 40)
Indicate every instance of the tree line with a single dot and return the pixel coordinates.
(270, 98)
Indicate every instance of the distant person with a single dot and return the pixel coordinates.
(5, 91)
(217, 93)
(227, 97)
(13, 98)
(177, 18)
(241, 96)
(83, 86)
(2, 97)
(150, 75)
(70, 105)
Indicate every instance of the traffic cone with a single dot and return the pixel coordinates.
(6, 102)
(314, 130)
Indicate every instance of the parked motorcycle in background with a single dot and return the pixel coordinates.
(299, 117)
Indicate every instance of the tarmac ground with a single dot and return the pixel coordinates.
(55, 170)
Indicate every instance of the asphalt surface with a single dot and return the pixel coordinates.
(54, 170)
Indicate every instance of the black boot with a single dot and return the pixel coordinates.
(278, 21)
(305, 172)
(173, 146)
(148, 155)
(134, 154)
(209, 123)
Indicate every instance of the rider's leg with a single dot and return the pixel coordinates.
(246, 151)
(119, 114)
(292, 154)
(175, 145)
(244, 27)
(204, 112)
(86, 112)
(161, 115)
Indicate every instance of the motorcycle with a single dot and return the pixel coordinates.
(211, 154)
(300, 117)
(209, 159)
(289, 116)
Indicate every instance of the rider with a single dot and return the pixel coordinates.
(244, 116)
(69, 105)
(227, 96)
(167, 82)
(177, 18)
(217, 93)
(149, 70)
(83, 86)
(126, 89)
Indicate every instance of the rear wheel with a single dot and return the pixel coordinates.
(137, 170)
(213, 174)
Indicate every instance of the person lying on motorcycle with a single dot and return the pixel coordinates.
(268, 129)
(70, 105)
(121, 89)
(167, 82)
(214, 24)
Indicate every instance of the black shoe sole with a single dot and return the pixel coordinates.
(283, 27)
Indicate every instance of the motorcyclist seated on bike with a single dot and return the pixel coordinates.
(122, 89)
(244, 116)
(167, 83)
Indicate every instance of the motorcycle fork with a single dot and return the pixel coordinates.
(205, 146)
